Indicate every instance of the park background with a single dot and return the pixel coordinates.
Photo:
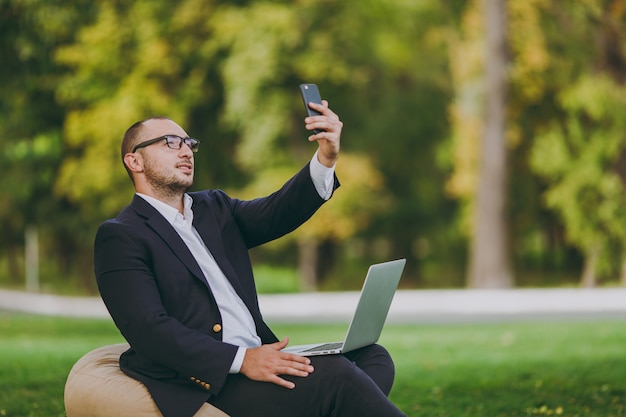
(483, 141)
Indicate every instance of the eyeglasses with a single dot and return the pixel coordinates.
(173, 142)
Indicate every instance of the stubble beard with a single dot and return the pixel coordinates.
(167, 186)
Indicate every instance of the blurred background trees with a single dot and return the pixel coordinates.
(407, 78)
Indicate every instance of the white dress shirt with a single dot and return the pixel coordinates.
(237, 322)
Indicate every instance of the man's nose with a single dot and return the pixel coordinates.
(185, 150)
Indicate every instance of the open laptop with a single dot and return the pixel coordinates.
(370, 315)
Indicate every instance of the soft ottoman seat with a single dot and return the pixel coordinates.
(96, 387)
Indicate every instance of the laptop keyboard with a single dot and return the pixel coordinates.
(327, 346)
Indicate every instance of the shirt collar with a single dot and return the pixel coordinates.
(169, 212)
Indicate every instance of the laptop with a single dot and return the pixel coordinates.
(367, 323)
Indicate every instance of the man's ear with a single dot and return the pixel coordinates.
(134, 162)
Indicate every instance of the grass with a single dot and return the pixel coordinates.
(36, 354)
(275, 280)
(560, 368)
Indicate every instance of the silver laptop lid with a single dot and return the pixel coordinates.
(371, 312)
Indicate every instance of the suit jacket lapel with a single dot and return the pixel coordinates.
(161, 226)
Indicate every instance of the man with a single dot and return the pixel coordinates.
(174, 272)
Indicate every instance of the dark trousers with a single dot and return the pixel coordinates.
(353, 384)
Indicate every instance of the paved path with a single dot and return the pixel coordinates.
(411, 306)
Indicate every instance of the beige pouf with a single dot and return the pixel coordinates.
(96, 387)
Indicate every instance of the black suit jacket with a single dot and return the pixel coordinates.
(160, 300)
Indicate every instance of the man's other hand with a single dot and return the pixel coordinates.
(267, 362)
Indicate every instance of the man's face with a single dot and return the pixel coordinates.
(166, 170)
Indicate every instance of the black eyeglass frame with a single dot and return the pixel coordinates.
(193, 143)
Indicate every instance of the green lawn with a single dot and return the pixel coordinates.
(566, 368)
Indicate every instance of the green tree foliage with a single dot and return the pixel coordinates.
(580, 152)
(403, 76)
(135, 60)
(30, 133)
(380, 66)
(229, 72)
(583, 157)
(552, 56)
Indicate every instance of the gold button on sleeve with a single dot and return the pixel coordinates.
(217, 328)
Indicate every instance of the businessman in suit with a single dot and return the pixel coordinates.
(174, 272)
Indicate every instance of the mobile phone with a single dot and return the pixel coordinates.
(310, 93)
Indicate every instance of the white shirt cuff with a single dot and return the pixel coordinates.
(238, 361)
(323, 177)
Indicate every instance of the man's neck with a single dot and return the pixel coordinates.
(172, 199)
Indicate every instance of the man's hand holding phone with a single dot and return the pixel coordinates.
(324, 123)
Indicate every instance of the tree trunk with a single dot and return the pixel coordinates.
(307, 264)
(489, 256)
(588, 278)
(32, 258)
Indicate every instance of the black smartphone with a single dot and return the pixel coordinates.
(310, 93)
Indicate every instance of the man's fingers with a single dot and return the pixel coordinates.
(267, 363)
(294, 358)
(279, 345)
(301, 371)
(297, 366)
(290, 370)
(282, 382)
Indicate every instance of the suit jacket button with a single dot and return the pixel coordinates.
(217, 328)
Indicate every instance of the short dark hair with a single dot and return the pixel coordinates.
(131, 138)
